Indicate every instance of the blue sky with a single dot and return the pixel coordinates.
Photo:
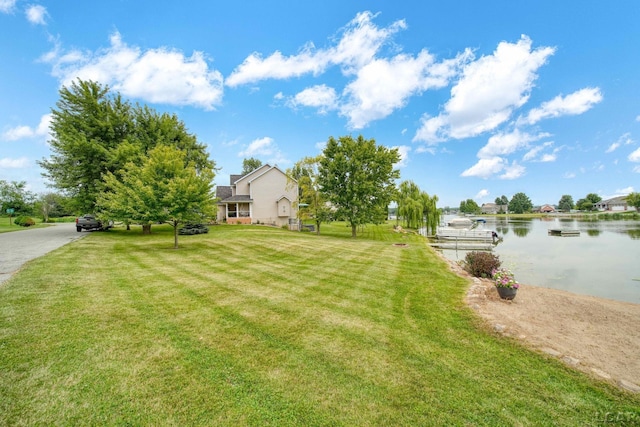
(482, 99)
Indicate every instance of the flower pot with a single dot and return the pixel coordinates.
(507, 293)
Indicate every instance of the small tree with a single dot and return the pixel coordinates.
(312, 203)
(250, 164)
(633, 199)
(587, 203)
(162, 189)
(357, 176)
(470, 206)
(520, 203)
(566, 203)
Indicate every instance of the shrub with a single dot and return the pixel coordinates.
(24, 221)
(481, 263)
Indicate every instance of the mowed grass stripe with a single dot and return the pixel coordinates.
(371, 334)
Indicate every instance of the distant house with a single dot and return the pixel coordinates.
(616, 204)
(547, 209)
(266, 195)
(492, 208)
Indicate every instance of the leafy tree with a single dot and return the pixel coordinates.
(52, 205)
(520, 203)
(14, 195)
(469, 206)
(410, 204)
(96, 133)
(502, 200)
(633, 199)
(165, 188)
(87, 125)
(566, 203)
(312, 203)
(250, 164)
(416, 207)
(587, 203)
(430, 212)
(357, 176)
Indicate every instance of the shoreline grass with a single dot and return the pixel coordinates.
(251, 325)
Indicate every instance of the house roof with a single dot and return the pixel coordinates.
(234, 178)
(223, 192)
(237, 198)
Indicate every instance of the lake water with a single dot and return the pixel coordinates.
(604, 261)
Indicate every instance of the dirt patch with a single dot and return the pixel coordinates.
(598, 336)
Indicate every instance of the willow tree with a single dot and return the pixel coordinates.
(357, 176)
(165, 188)
(430, 212)
(410, 204)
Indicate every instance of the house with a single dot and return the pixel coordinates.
(616, 204)
(547, 209)
(266, 196)
(492, 208)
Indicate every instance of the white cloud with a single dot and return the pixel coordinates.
(613, 147)
(549, 157)
(489, 90)
(513, 171)
(384, 85)
(481, 194)
(404, 151)
(636, 169)
(358, 45)
(265, 148)
(638, 118)
(506, 143)
(8, 163)
(635, 156)
(36, 14)
(625, 191)
(22, 132)
(569, 175)
(485, 167)
(160, 75)
(570, 105)
(321, 97)
(6, 6)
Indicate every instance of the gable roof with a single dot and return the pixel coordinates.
(223, 192)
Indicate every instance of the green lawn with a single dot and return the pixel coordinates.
(250, 325)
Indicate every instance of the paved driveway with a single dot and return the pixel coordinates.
(18, 247)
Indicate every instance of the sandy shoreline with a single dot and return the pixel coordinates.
(598, 336)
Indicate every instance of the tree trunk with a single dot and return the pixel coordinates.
(353, 230)
(175, 235)
(146, 228)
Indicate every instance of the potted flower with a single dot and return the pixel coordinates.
(505, 282)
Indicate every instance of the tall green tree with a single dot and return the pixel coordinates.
(357, 176)
(430, 212)
(586, 204)
(312, 203)
(633, 199)
(165, 188)
(87, 124)
(566, 203)
(502, 200)
(520, 203)
(410, 204)
(250, 164)
(14, 195)
(96, 132)
(469, 206)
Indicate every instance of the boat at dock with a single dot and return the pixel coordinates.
(466, 230)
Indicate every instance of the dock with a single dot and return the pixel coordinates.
(563, 232)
